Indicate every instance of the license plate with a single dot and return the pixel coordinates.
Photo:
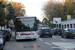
(73, 33)
(47, 32)
(27, 37)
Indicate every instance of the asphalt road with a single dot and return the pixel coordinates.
(46, 43)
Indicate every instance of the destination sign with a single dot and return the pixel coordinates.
(21, 19)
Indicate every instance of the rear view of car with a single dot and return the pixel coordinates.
(7, 33)
(69, 32)
(46, 32)
(57, 31)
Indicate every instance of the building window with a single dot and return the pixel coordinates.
(71, 25)
(67, 25)
(62, 27)
(74, 25)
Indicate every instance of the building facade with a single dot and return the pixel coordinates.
(68, 24)
(69, 0)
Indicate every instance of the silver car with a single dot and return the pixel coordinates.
(2, 40)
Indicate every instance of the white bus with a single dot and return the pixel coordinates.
(25, 28)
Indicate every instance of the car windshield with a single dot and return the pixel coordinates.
(1, 34)
(46, 29)
(71, 30)
(3, 31)
(6, 30)
(46, 26)
(58, 29)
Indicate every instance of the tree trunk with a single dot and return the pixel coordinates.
(7, 23)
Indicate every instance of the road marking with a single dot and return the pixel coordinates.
(64, 45)
(7, 47)
(63, 39)
(54, 36)
(47, 43)
(40, 39)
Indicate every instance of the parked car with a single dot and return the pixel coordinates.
(2, 40)
(46, 32)
(45, 25)
(7, 33)
(57, 31)
(9, 29)
(68, 32)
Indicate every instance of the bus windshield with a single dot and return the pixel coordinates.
(26, 25)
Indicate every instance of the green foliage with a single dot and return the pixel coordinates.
(54, 10)
(44, 21)
(3, 6)
(12, 14)
(2, 22)
(0, 4)
(2, 15)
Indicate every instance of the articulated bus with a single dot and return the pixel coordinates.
(25, 28)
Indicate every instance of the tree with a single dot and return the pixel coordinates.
(19, 8)
(39, 22)
(52, 10)
(70, 8)
(2, 15)
(12, 14)
(44, 21)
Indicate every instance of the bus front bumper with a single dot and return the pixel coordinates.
(26, 37)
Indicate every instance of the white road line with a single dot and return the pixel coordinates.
(54, 36)
(65, 45)
(63, 39)
(47, 43)
(40, 39)
(7, 47)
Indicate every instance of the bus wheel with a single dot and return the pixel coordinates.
(34, 39)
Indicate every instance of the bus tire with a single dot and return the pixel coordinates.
(51, 36)
(34, 39)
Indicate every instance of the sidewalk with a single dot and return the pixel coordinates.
(13, 33)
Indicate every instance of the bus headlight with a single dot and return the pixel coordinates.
(18, 35)
(34, 34)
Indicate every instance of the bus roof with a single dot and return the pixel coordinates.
(26, 17)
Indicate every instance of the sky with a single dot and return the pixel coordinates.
(33, 7)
